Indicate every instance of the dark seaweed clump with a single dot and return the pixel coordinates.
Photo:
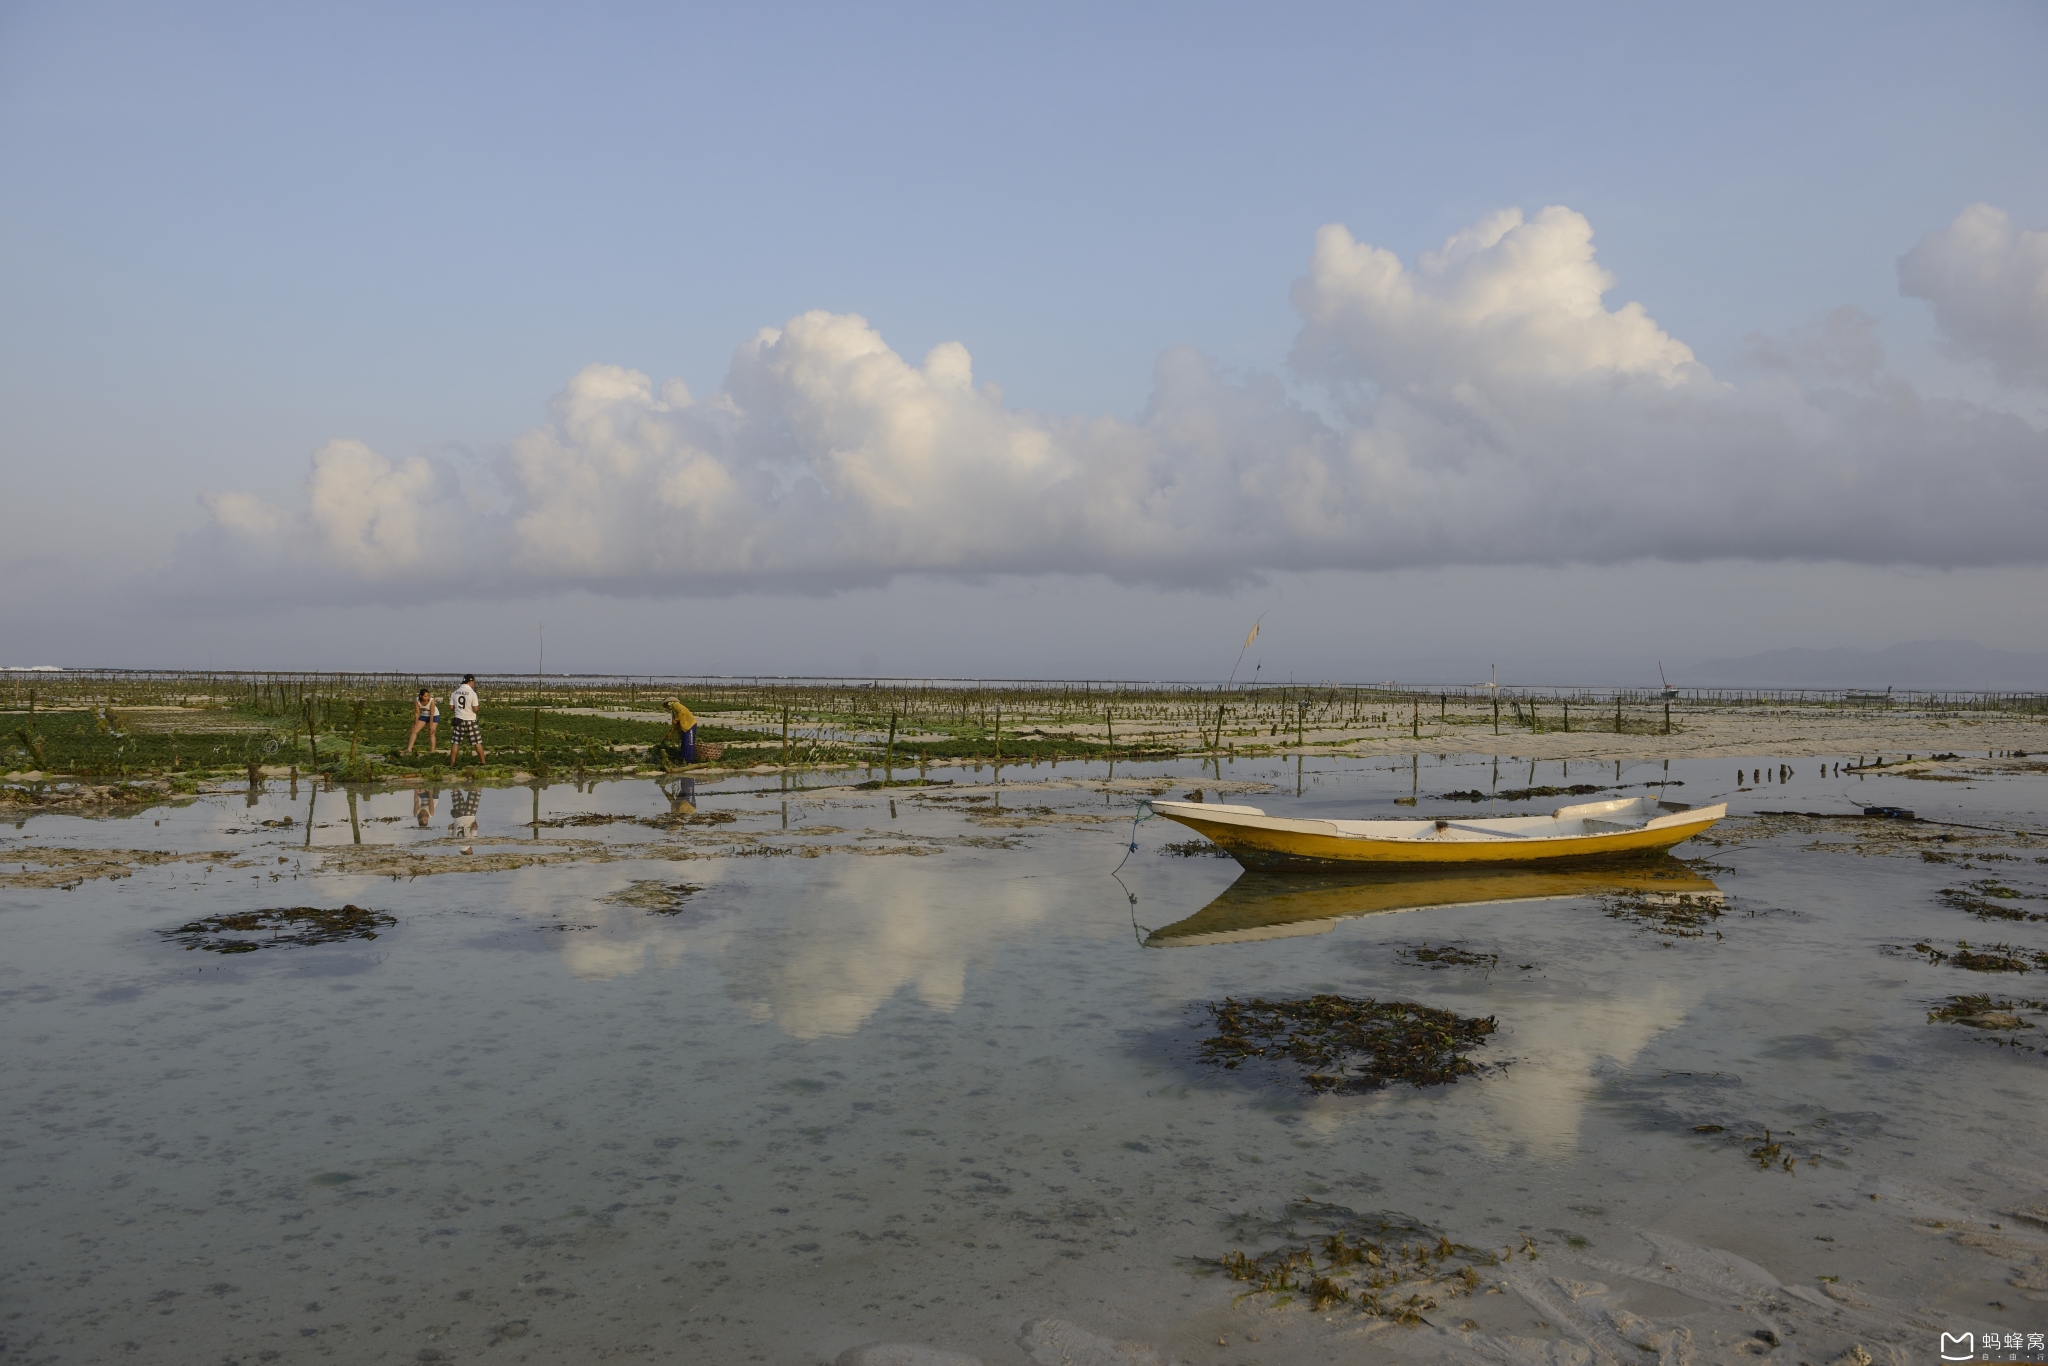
(1364, 1261)
(664, 822)
(1445, 956)
(1989, 899)
(675, 819)
(1982, 957)
(1772, 1152)
(1769, 1152)
(1520, 794)
(657, 897)
(248, 931)
(1995, 1017)
(1681, 916)
(1193, 849)
(1341, 1044)
(1982, 1012)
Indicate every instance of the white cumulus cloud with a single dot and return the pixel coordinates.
(1495, 410)
(1505, 298)
(1988, 282)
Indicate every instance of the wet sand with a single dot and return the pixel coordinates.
(909, 1065)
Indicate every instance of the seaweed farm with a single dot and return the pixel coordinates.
(133, 735)
(344, 1060)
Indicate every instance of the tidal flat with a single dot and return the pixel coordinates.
(753, 1070)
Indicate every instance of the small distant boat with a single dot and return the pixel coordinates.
(1591, 830)
(1864, 695)
(1670, 694)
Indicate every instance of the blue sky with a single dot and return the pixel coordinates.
(236, 234)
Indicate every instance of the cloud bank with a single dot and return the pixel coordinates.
(1988, 282)
(1481, 406)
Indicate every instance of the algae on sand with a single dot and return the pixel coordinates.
(1193, 849)
(1997, 1019)
(668, 821)
(60, 866)
(248, 931)
(1520, 794)
(655, 896)
(1681, 915)
(1981, 957)
(1364, 1261)
(1342, 1044)
(1990, 899)
(1983, 1012)
(1445, 956)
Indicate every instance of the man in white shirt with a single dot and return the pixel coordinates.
(465, 704)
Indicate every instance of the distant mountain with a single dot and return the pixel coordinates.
(1924, 665)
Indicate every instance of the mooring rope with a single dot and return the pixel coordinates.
(1145, 813)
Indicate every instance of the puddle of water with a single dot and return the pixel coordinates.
(911, 1065)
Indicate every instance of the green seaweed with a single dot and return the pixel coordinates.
(1682, 916)
(1445, 956)
(1770, 1152)
(1340, 1044)
(1984, 1012)
(1365, 1263)
(1979, 957)
(282, 927)
(1520, 794)
(1989, 899)
(656, 897)
(1193, 849)
(1996, 1020)
(668, 821)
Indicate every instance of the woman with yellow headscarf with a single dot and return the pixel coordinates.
(684, 725)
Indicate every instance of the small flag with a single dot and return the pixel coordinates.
(1252, 637)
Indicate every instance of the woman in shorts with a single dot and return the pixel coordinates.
(425, 712)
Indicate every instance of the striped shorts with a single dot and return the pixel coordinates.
(468, 732)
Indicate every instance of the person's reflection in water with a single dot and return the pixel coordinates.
(423, 806)
(462, 806)
(682, 800)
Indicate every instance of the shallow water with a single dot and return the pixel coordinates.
(912, 1066)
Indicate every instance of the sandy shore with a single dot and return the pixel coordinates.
(1734, 732)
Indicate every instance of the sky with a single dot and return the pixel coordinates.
(1024, 342)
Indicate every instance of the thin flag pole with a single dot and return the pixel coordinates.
(1250, 636)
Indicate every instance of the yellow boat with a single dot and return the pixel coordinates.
(1260, 906)
(1628, 826)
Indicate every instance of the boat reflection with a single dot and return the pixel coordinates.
(1265, 906)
